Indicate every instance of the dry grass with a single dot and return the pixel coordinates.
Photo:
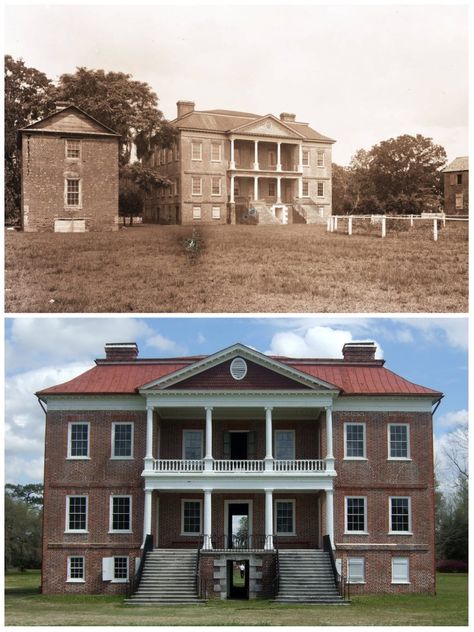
(295, 268)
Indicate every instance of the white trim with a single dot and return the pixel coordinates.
(76, 580)
(77, 179)
(201, 517)
(319, 182)
(307, 153)
(183, 445)
(122, 458)
(82, 403)
(275, 503)
(66, 148)
(215, 215)
(407, 565)
(121, 580)
(390, 532)
(239, 399)
(346, 530)
(193, 179)
(364, 441)
(293, 432)
(388, 403)
(219, 179)
(398, 458)
(66, 526)
(230, 482)
(111, 515)
(196, 143)
(197, 212)
(318, 152)
(69, 440)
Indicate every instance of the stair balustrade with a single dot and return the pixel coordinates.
(135, 579)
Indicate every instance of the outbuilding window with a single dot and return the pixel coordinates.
(73, 192)
(73, 148)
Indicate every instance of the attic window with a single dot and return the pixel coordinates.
(238, 368)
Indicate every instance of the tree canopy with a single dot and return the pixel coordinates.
(23, 525)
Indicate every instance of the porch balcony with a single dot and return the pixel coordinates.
(241, 466)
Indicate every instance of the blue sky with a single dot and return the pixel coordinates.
(41, 352)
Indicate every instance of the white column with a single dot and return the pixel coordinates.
(255, 159)
(232, 158)
(300, 157)
(255, 188)
(268, 439)
(279, 190)
(147, 514)
(278, 156)
(435, 230)
(232, 189)
(149, 439)
(300, 187)
(207, 531)
(208, 459)
(329, 452)
(269, 519)
(330, 515)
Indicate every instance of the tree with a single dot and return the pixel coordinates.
(340, 182)
(27, 98)
(32, 493)
(130, 200)
(23, 524)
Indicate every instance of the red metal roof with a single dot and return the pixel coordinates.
(127, 377)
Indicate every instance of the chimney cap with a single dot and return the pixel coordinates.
(121, 351)
(363, 350)
(61, 105)
(287, 116)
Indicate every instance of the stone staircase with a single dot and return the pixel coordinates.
(169, 577)
(306, 577)
(310, 213)
(264, 214)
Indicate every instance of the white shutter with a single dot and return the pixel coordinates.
(137, 563)
(400, 573)
(107, 569)
(339, 565)
(355, 570)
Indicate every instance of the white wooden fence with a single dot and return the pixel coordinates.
(334, 221)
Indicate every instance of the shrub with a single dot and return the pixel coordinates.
(451, 566)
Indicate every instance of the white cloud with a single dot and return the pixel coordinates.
(452, 331)
(162, 343)
(201, 339)
(452, 419)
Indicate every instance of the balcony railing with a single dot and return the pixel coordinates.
(239, 465)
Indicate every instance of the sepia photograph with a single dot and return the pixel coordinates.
(230, 159)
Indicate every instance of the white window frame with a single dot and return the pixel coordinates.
(196, 143)
(409, 532)
(120, 580)
(364, 439)
(69, 440)
(183, 450)
(353, 561)
(67, 529)
(305, 154)
(216, 212)
(219, 180)
(320, 158)
(319, 195)
(201, 517)
(305, 184)
(292, 458)
(459, 201)
(76, 179)
(215, 145)
(76, 580)
(67, 148)
(398, 560)
(275, 506)
(399, 458)
(346, 503)
(197, 215)
(113, 455)
(111, 514)
(193, 180)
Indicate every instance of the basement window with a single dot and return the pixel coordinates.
(75, 569)
(120, 570)
(400, 570)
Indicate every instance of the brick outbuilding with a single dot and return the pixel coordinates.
(238, 475)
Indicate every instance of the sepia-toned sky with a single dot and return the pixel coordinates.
(359, 74)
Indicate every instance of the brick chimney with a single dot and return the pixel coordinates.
(121, 351)
(359, 351)
(184, 107)
(60, 105)
(286, 116)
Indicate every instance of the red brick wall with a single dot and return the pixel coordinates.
(451, 189)
(44, 169)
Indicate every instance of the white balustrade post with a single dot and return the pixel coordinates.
(335, 222)
(208, 458)
(384, 226)
(232, 157)
(279, 190)
(149, 439)
(329, 450)
(278, 156)
(330, 515)
(328, 224)
(268, 439)
(269, 519)
(435, 229)
(349, 226)
(255, 188)
(147, 514)
(255, 158)
(207, 531)
(411, 221)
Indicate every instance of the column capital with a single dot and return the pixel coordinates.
(150, 407)
(270, 408)
(210, 408)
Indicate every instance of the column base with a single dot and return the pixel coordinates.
(231, 164)
(148, 463)
(268, 463)
(208, 463)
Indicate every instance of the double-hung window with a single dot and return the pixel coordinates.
(305, 188)
(320, 189)
(192, 444)
(216, 151)
(191, 517)
(121, 514)
(73, 148)
(73, 192)
(354, 441)
(400, 515)
(120, 569)
(78, 443)
(356, 514)
(196, 150)
(75, 569)
(76, 514)
(122, 440)
(196, 186)
(285, 517)
(305, 156)
(285, 444)
(320, 159)
(398, 441)
(215, 186)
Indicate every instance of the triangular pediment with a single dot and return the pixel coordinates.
(268, 125)
(262, 373)
(71, 120)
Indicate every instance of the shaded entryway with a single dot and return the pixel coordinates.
(238, 579)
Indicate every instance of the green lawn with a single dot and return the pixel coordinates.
(25, 606)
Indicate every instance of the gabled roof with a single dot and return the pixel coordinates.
(458, 164)
(267, 124)
(141, 375)
(70, 119)
(225, 121)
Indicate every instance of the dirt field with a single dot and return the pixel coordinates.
(295, 268)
